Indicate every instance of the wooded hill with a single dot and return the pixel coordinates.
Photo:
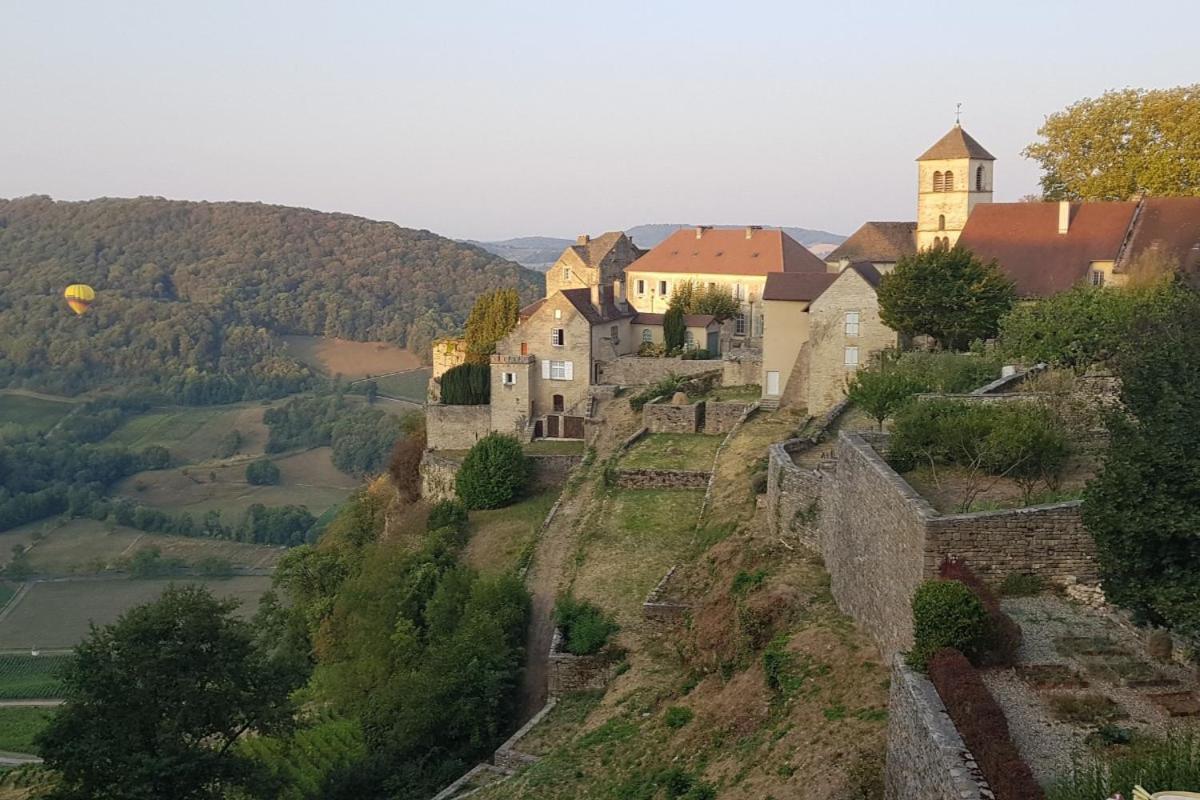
(186, 288)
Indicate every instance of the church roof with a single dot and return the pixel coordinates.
(957, 143)
(880, 242)
(736, 251)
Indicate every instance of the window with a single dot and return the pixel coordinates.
(937, 181)
(566, 273)
(614, 335)
(557, 370)
(851, 357)
(941, 222)
(557, 402)
(758, 325)
(558, 313)
(662, 288)
(524, 348)
(558, 337)
(689, 340)
(739, 325)
(979, 178)
(948, 182)
(641, 287)
(510, 379)
(1097, 277)
(739, 292)
(647, 336)
(852, 323)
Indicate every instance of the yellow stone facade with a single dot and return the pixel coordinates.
(948, 190)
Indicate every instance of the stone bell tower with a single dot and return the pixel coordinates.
(953, 176)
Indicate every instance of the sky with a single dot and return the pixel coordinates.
(489, 120)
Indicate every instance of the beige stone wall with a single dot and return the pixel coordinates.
(605, 348)
(955, 205)
(556, 312)
(511, 407)
(828, 374)
(652, 301)
(456, 427)
(635, 371)
(447, 354)
(665, 417)
(569, 272)
(785, 333)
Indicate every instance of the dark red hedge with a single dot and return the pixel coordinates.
(1005, 633)
(982, 724)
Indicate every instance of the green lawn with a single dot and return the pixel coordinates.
(694, 451)
(543, 447)
(35, 413)
(407, 385)
(28, 677)
(735, 394)
(19, 726)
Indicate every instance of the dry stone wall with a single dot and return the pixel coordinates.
(663, 417)
(742, 367)
(926, 756)
(456, 427)
(572, 673)
(662, 479)
(637, 371)
(722, 417)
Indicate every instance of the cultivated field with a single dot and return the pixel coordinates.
(19, 726)
(66, 547)
(34, 411)
(29, 677)
(411, 385)
(307, 479)
(57, 614)
(351, 360)
(192, 434)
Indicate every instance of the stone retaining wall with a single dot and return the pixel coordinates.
(926, 757)
(572, 673)
(636, 371)
(661, 479)
(663, 417)
(437, 476)
(658, 608)
(551, 470)
(456, 427)
(793, 499)
(722, 417)
(742, 368)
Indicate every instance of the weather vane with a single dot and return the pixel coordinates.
(958, 113)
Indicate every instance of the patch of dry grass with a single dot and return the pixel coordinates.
(501, 538)
(691, 451)
(351, 360)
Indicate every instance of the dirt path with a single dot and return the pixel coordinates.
(31, 703)
(554, 549)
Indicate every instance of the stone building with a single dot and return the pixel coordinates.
(820, 328)
(592, 262)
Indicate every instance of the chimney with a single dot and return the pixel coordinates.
(619, 293)
(583, 239)
(750, 229)
(700, 229)
(595, 288)
(1064, 216)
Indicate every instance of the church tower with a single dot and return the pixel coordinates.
(953, 175)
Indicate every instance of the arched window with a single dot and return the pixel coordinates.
(557, 401)
(979, 178)
(689, 340)
(937, 181)
(941, 222)
(948, 182)
(647, 336)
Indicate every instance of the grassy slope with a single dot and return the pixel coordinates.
(29, 411)
(501, 539)
(673, 451)
(813, 727)
(19, 726)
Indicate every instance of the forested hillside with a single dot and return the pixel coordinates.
(197, 292)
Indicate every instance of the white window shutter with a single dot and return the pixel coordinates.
(546, 369)
(570, 369)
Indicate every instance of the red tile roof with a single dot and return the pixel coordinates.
(728, 252)
(1024, 238)
(880, 242)
(1171, 226)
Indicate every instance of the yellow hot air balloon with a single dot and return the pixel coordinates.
(79, 297)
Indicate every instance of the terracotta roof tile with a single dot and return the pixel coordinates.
(728, 252)
(798, 285)
(881, 242)
(957, 143)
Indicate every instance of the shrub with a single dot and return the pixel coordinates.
(492, 317)
(467, 385)
(947, 614)
(678, 716)
(494, 473)
(1004, 634)
(447, 514)
(651, 350)
(262, 472)
(1158, 765)
(944, 372)
(586, 628)
(665, 386)
(982, 724)
(405, 465)
(881, 392)
(699, 354)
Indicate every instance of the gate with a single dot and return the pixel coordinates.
(551, 427)
(572, 427)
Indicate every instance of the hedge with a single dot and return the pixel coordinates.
(983, 726)
(467, 385)
(586, 628)
(946, 614)
(1004, 635)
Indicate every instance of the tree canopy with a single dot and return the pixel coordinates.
(947, 294)
(1121, 144)
(157, 700)
(492, 317)
(703, 299)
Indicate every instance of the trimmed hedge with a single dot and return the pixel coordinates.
(983, 726)
(1004, 635)
(467, 385)
(946, 614)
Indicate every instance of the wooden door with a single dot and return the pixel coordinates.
(551, 427)
(572, 427)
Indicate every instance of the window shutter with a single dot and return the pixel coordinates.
(546, 369)
(569, 369)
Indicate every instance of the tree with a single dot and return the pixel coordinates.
(945, 293)
(262, 472)
(1122, 144)
(405, 465)
(879, 392)
(494, 473)
(1141, 509)
(494, 315)
(703, 299)
(157, 700)
(468, 384)
(674, 329)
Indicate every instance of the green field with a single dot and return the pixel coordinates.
(57, 614)
(693, 451)
(34, 412)
(193, 434)
(29, 677)
(407, 385)
(19, 726)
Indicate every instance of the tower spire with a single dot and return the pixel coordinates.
(957, 114)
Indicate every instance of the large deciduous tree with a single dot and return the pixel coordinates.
(702, 299)
(1122, 144)
(157, 700)
(945, 293)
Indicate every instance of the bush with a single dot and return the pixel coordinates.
(1022, 585)
(494, 473)
(651, 350)
(881, 392)
(447, 514)
(664, 387)
(943, 372)
(1004, 634)
(983, 727)
(674, 328)
(262, 472)
(405, 465)
(1158, 765)
(585, 627)
(467, 385)
(699, 354)
(947, 614)
(678, 716)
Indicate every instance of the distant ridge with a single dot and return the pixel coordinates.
(540, 252)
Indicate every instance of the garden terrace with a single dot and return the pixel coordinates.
(672, 451)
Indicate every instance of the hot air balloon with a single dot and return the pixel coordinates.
(79, 297)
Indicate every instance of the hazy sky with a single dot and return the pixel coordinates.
(498, 119)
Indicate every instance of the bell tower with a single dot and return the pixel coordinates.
(953, 176)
